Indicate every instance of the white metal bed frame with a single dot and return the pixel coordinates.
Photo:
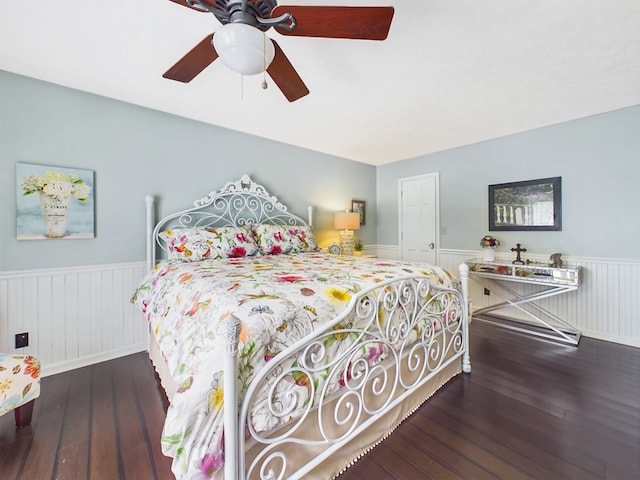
(387, 314)
(242, 202)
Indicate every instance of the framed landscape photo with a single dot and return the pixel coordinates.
(360, 206)
(527, 205)
(54, 202)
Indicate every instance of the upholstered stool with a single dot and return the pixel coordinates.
(19, 386)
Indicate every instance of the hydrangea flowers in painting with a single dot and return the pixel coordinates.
(54, 202)
(57, 185)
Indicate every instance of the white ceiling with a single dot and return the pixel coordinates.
(451, 72)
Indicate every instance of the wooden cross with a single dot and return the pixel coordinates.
(518, 250)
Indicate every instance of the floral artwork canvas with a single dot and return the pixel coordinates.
(54, 202)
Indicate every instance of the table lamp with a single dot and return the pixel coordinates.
(346, 222)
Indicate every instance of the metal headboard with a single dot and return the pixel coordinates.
(238, 203)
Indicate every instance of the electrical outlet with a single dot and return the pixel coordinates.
(487, 291)
(22, 340)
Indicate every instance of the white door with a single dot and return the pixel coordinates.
(419, 218)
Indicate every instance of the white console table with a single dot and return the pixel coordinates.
(553, 281)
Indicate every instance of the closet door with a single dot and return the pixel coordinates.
(419, 218)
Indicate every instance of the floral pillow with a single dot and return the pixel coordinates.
(194, 244)
(278, 239)
(190, 244)
(305, 240)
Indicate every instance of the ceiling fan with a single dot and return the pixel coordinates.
(258, 16)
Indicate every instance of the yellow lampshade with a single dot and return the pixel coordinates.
(347, 221)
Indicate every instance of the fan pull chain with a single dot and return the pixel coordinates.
(264, 62)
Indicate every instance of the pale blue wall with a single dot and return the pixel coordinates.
(598, 159)
(136, 151)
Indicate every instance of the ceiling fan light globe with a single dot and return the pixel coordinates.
(243, 48)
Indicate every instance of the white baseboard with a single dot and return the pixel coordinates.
(93, 359)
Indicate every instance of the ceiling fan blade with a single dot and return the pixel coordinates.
(361, 23)
(184, 3)
(285, 76)
(194, 62)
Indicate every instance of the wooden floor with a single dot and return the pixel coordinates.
(529, 409)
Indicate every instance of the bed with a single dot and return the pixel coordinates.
(280, 360)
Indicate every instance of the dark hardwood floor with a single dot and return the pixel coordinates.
(529, 409)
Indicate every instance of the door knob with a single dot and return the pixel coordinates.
(432, 246)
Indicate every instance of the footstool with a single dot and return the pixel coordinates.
(19, 386)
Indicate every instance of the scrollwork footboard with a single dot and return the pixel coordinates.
(392, 340)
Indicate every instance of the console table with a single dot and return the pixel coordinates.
(552, 280)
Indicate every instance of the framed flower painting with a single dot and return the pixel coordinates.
(54, 202)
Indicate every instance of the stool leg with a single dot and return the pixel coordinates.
(24, 413)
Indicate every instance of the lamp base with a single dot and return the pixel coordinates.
(347, 243)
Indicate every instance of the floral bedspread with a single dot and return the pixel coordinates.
(278, 299)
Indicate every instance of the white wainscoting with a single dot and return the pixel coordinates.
(605, 306)
(75, 316)
(78, 316)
